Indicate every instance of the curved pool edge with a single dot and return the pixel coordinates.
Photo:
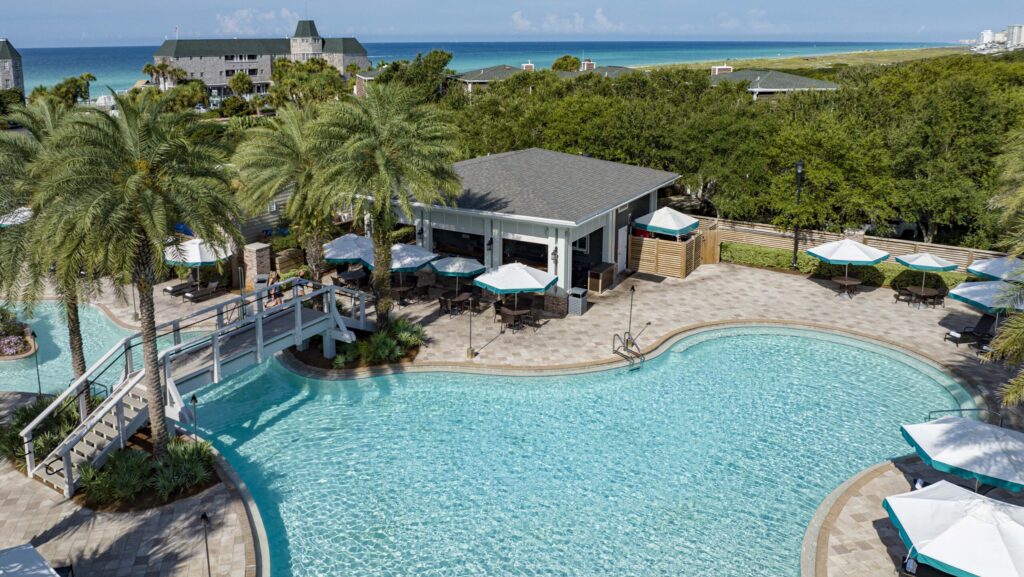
(257, 551)
(814, 549)
(657, 348)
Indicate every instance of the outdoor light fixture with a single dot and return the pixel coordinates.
(205, 520)
(490, 243)
(796, 227)
(39, 380)
(195, 418)
(419, 232)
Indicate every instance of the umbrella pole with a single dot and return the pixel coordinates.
(923, 274)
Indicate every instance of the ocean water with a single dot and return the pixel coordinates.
(120, 67)
(710, 460)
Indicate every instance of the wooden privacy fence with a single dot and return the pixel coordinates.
(769, 236)
(674, 258)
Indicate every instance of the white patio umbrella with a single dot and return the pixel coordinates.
(348, 249)
(925, 262)
(960, 532)
(515, 278)
(1003, 268)
(195, 253)
(16, 217)
(404, 258)
(988, 296)
(458, 267)
(667, 220)
(24, 561)
(847, 252)
(970, 449)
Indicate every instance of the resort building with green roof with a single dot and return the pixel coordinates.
(215, 61)
(12, 77)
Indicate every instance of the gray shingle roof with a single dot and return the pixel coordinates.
(491, 74)
(271, 46)
(306, 29)
(773, 81)
(7, 51)
(552, 185)
(606, 71)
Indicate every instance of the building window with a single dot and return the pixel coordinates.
(582, 245)
(229, 73)
(253, 57)
(253, 71)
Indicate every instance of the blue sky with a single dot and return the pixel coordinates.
(148, 22)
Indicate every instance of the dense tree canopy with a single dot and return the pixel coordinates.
(567, 63)
(302, 83)
(919, 142)
(69, 91)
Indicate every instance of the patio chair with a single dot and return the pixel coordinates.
(497, 311)
(938, 299)
(981, 332)
(509, 321)
(443, 306)
(901, 294)
(204, 294)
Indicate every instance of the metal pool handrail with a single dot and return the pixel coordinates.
(961, 411)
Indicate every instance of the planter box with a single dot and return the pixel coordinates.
(289, 259)
(28, 353)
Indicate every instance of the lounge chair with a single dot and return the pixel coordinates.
(981, 332)
(178, 289)
(901, 294)
(204, 294)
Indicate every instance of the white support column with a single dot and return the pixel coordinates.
(560, 266)
(330, 345)
(220, 316)
(119, 415)
(427, 241)
(30, 454)
(608, 244)
(494, 255)
(216, 358)
(129, 362)
(300, 344)
(654, 201)
(69, 475)
(259, 336)
(176, 328)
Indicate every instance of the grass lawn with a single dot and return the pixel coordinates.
(831, 60)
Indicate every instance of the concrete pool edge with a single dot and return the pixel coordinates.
(257, 550)
(657, 348)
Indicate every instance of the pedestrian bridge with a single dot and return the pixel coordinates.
(246, 332)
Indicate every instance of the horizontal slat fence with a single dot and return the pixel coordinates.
(665, 257)
(769, 236)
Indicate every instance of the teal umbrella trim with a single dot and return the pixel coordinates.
(975, 304)
(190, 264)
(984, 275)
(845, 262)
(925, 268)
(494, 290)
(669, 231)
(964, 473)
(945, 567)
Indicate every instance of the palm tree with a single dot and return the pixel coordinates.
(116, 187)
(25, 258)
(283, 156)
(163, 72)
(386, 151)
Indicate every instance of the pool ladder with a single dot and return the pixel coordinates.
(625, 346)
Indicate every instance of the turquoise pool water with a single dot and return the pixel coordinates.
(99, 333)
(710, 460)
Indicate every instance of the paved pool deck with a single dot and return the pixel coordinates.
(162, 542)
(857, 537)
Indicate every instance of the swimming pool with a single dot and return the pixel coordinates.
(709, 460)
(99, 333)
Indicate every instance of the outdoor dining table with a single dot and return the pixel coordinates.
(350, 276)
(922, 293)
(400, 292)
(847, 285)
(456, 300)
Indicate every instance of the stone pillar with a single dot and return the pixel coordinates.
(257, 261)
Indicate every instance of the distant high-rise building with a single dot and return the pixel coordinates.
(1015, 35)
(987, 37)
(11, 74)
(999, 37)
(216, 61)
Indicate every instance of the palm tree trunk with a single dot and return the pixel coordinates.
(74, 331)
(381, 280)
(154, 388)
(315, 256)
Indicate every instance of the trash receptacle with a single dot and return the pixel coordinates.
(577, 300)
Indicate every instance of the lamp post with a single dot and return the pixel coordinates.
(205, 520)
(195, 418)
(470, 353)
(796, 228)
(629, 326)
(39, 380)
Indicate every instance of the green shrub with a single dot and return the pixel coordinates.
(285, 242)
(234, 106)
(46, 437)
(125, 474)
(185, 465)
(407, 333)
(883, 274)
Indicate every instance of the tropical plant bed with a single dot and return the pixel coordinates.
(400, 343)
(131, 480)
(15, 338)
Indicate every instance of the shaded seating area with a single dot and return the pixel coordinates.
(847, 252)
(205, 293)
(981, 332)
